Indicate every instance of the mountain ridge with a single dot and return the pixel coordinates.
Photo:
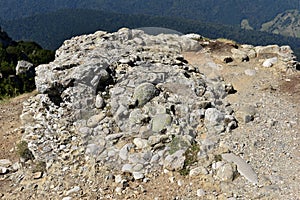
(286, 23)
(52, 29)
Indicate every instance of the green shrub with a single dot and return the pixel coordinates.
(23, 151)
(190, 158)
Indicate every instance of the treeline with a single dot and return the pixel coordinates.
(12, 84)
(51, 29)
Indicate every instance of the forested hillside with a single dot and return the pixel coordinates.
(220, 11)
(10, 83)
(52, 29)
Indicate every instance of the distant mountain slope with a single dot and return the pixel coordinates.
(5, 40)
(287, 23)
(220, 11)
(52, 29)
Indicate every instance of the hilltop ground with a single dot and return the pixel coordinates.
(270, 143)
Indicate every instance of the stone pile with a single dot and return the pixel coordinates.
(117, 113)
(126, 100)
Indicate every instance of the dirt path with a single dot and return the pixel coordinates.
(10, 111)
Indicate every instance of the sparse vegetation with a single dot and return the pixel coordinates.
(190, 158)
(39, 166)
(23, 151)
(176, 144)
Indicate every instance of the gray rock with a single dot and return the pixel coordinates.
(96, 149)
(267, 50)
(197, 171)
(242, 167)
(160, 122)
(73, 190)
(136, 116)
(200, 193)
(175, 161)
(144, 93)
(270, 62)
(123, 153)
(127, 168)
(214, 120)
(225, 172)
(99, 103)
(245, 114)
(24, 67)
(239, 55)
(138, 175)
(138, 167)
(250, 72)
(95, 120)
(5, 163)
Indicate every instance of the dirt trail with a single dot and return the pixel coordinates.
(10, 111)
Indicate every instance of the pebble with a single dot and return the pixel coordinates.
(127, 168)
(138, 175)
(5, 163)
(200, 193)
(73, 190)
(4, 170)
(197, 171)
(67, 198)
(225, 172)
(37, 175)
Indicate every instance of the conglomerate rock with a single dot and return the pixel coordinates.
(119, 111)
(121, 98)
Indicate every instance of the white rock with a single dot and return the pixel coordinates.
(200, 192)
(67, 198)
(270, 62)
(99, 103)
(138, 175)
(118, 178)
(225, 172)
(250, 72)
(4, 170)
(217, 165)
(118, 190)
(140, 143)
(127, 168)
(198, 170)
(73, 190)
(242, 166)
(5, 163)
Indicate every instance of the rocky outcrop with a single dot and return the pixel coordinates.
(126, 106)
(25, 67)
(122, 99)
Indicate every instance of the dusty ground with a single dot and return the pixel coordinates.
(10, 110)
(271, 84)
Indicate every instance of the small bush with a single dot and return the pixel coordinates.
(23, 151)
(40, 166)
(190, 158)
